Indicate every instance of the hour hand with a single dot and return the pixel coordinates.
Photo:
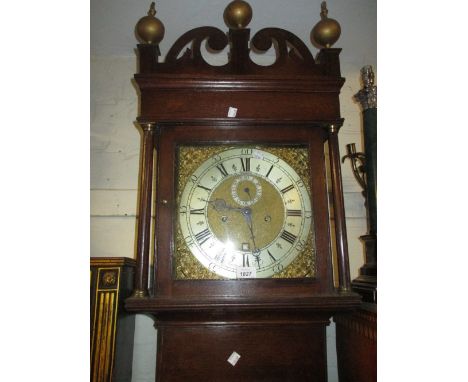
(221, 205)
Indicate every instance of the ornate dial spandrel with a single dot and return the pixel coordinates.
(243, 207)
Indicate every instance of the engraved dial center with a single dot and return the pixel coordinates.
(245, 212)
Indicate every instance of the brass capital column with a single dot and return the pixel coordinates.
(338, 210)
(144, 210)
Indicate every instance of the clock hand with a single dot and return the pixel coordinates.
(221, 205)
(247, 191)
(247, 213)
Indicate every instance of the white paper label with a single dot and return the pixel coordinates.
(233, 358)
(232, 112)
(246, 272)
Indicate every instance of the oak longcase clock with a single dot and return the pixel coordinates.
(242, 284)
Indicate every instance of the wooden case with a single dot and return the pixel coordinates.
(277, 326)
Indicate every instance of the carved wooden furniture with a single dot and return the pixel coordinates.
(356, 344)
(275, 324)
(112, 329)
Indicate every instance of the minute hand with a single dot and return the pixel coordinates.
(247, 214)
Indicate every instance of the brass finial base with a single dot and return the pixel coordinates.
(149, 29)
(327, 31)
(238, 14)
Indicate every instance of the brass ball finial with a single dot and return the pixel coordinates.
(327, 31)
(149, 29)
(238, 14)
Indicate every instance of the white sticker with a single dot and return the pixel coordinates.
(232, 112)
(233, 358)
(246, 272)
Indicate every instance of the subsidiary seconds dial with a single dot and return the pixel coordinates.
(245, 208)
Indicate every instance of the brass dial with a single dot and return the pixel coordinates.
(245, 209)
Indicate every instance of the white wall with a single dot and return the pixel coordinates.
(115, 140)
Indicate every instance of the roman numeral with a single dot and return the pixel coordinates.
(293, 212)
(222, 169)
(197, 211)
(205, 188)
(271, 256)
(245, 164)
(268, 173)
(286, 189)
(288, 236)
(245, 260)
(203, 236)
